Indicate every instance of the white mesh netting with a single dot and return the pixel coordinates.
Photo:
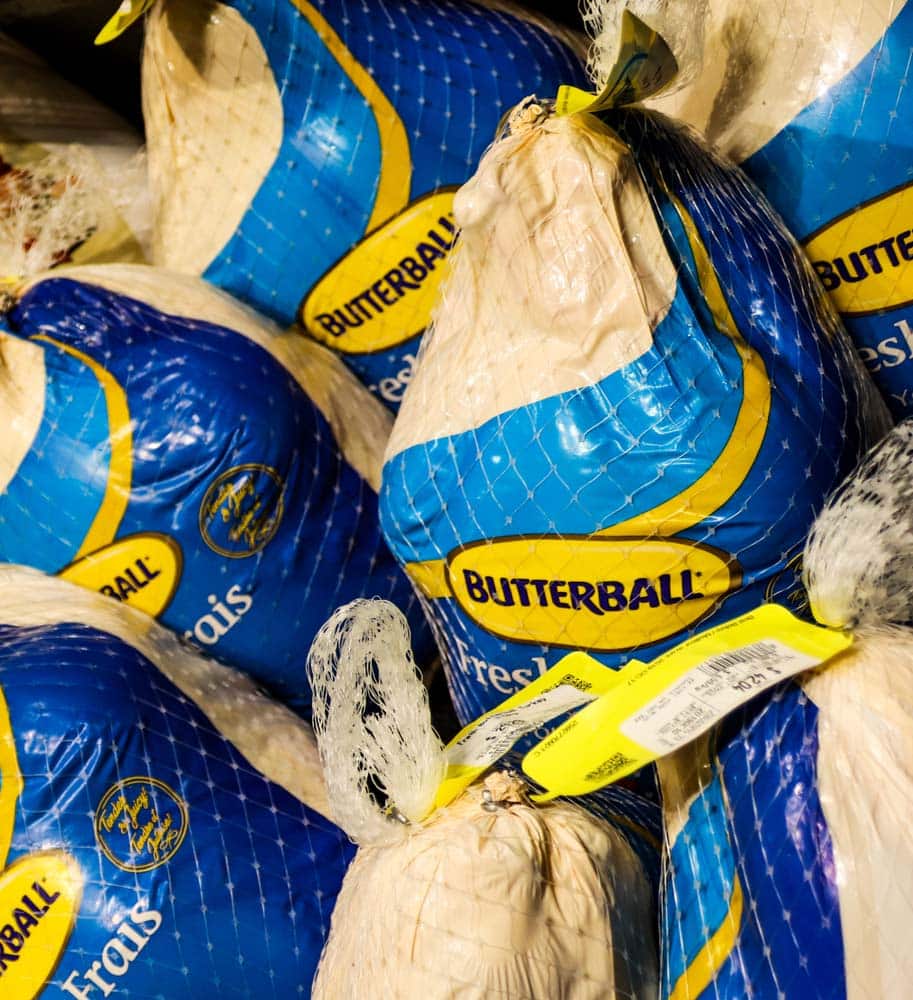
(334, 170)
(171, 449)
(490, 896)
(72, 176)
(162, 829)
(787, 868)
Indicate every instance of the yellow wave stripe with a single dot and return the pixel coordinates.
(430, 577)
(735, 461)
(709, 960)
(120, 468)
(10, 781)
(396, 161)
(728, 472)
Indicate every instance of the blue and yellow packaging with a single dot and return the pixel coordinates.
(305, 154)
(141, 854)
(634, 399)
(185, 458)
(815, 105)
(788, 867)
(839, 174)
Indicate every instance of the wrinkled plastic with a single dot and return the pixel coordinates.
(173, 450)
(159, 823)
(815, 105)
(513, 900)
(788, 865)
(633, 400)
(331, 135)
(491, 895)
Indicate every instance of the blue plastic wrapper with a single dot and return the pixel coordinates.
(788, 863)
(788, 871)
(815, 106)
(184, 467)
(551, 495)
(339, 161)
(839, 173)
(141, 854)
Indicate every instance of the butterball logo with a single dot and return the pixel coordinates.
(864, 257)
(583, 592)
(241, 510)
(140, 823)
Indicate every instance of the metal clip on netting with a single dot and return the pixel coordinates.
(858, 564)
(373, 723)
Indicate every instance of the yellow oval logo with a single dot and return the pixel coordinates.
(597, 594)
(382, 292)
(141, 570)
(864, 258)
(39, 899)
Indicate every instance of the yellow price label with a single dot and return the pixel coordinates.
(655, 708)
(643, 67)
(576, 680)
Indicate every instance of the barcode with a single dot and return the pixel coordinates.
(573, 681)
(608, 767)
(757, 652)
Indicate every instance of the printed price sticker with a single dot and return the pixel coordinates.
(574, 681)
(656, 708)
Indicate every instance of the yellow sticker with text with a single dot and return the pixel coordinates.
(656, 708)
(643, 67)
(574, 681)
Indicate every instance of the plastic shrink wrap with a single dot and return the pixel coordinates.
(815, 104)
(632, 402)
(171, 449)
(72, 178)
(491, 895)
(161, 831)
(331, 135)
(790, 871)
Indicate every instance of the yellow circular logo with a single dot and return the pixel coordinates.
(241, 510)
(140, 824)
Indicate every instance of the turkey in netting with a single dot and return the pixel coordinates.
(304, 155)
(171, 449)
(492, 895)
(789, 868)
(632, 402)
(831, 149)
(163, 827)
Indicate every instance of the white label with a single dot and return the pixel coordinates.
(491, 739)
(710, 691)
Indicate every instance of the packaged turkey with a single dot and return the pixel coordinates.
(304, 156)
(490, 895)
(632, 401)
(173, 450)
(789, 871)
(162, 824)
(830, 148)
